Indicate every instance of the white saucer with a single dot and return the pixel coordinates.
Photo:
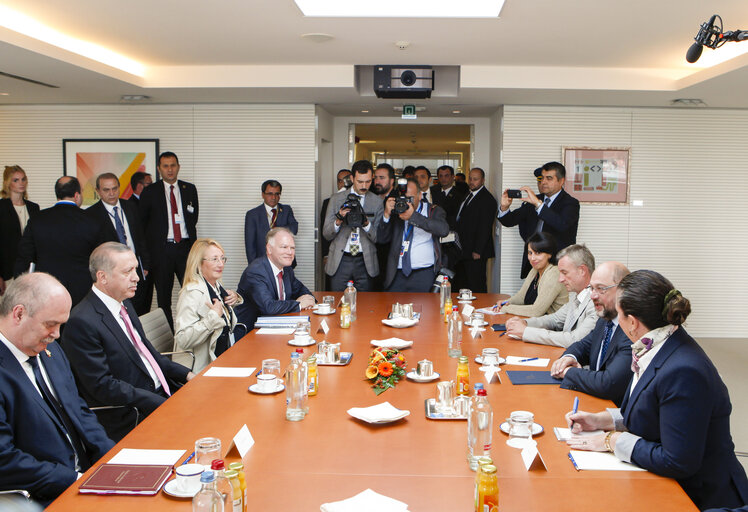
(473, 297)
(536, 428)
(479, 360)
(255, 388)
(314, 310)
(302, 343)
(171, 489)
(469, 324)
(414, 376)
(400, 323)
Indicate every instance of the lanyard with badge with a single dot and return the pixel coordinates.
(405, 247)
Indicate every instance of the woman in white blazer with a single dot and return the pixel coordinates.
(205, 319)
(541, 293)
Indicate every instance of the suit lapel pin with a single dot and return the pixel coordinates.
(49, 354)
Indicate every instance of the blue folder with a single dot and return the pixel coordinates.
(531, 377)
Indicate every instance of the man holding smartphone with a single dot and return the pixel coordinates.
(553, 210)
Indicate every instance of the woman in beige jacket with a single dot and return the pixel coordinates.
(541, 293)
(205, 319)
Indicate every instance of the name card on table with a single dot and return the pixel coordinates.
(323, 327)
(467, 310)
(531, 457)
(242, 441)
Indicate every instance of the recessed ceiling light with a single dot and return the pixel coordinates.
(367, 142)
(400, 9)
(455, 111)
(318, 37)
(364, 111)
(4, 93)
(687, 102)
(462, 142)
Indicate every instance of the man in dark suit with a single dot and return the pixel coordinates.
(553, 211)
(449, 195)
(48, 436)
(120, 223)
(268, 284)
(60, 239)
(113, 361)
(271, 213)
(475, 233)
(383, 185)
(139, 181)
(169, 210)
(414, 257)
(353, 253)
(606, 350)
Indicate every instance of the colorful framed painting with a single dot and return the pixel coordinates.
(597, 175)
(87, 158)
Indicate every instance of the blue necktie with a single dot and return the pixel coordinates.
(119, 227)
(547, 204)
(408, 236)
(609, 328)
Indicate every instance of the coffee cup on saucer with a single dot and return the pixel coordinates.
(267, 382)
(324, 308)
(188, 477)
(425, 368)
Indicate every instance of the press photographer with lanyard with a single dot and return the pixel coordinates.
(206, 323)
(414, 228)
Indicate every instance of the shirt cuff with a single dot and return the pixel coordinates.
(572, 356)
(335, 225)
(615, 413)
(386, 220)
(367, 227)
(501, 214)
(625, 446)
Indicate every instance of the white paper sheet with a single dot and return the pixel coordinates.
(366, 501)
(600, 461)
(223, 371)
(147, 457)
(515, 360)
(564, 434)
(489, 311)
(276, 330)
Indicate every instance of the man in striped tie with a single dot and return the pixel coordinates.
(113, 361)
(270, 214)
(600, 363)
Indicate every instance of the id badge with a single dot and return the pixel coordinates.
(354, 237)
(232, 339)
(404, 248)
(177, 218)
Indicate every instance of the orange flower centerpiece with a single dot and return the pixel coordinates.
(386, 367)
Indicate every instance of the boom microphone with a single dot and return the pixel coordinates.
(706, 32)
(694, 52)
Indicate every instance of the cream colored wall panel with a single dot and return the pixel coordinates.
(685, 168)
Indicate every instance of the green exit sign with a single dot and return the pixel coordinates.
(409, 112)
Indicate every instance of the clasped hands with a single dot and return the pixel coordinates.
(230, 299)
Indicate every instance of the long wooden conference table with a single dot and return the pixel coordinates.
(330, 456)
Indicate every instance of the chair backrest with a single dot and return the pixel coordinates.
(157, 330)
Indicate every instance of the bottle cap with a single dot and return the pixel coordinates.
(207, 477)
(312, 359)
(238, 466)
(294, 355)
(485, 461)
(455, 308)
(481, 392)
(478, 385)
(350, 283)
(463, 360)
(217, 464)
(489, 469)
(231, 473)
(299, 351)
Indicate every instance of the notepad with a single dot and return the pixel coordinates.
(276, 330)
(126, 479)
(600, 461)
(564, 434)
(223, 371)
(519, 377)
(147, 457)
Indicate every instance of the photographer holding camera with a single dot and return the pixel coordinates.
(414, 228)
(351, 226)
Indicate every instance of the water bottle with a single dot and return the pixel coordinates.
(445, 290)
(454, 334)
(223, 485)
(304, 378)
(480, 425)
(349, 297)
(295, 390)
(207, 499)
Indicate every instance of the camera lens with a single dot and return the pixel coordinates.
(408, 78)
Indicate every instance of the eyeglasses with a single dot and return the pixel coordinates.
(222, 259)
(601, 290)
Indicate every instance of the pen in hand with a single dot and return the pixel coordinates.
(574, 409)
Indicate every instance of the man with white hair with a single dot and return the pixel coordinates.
(577, 317)
(268, 285)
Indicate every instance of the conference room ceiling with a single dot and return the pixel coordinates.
(538, 52)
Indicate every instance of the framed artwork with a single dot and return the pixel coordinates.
(87, 158)
(597, 175)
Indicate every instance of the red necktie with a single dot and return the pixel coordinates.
(140, 347)
(280, 285)
(274, 211)
(174, 212)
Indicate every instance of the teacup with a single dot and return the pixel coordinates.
(425, 368)
(188, 477)
(267, 382)
(324, 308)
(465, 293)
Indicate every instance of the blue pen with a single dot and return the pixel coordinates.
(573, 462)
(503, 333)
(192, 455)
(258, 372)
(575, 408)
(528, 359)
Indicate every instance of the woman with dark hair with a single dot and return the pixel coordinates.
(675, 417)
(541, 293)
(15, 212)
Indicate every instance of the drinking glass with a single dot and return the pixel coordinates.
(207, 449)
(520, 428)
(329, 299)
(490, 356)
(271, 366)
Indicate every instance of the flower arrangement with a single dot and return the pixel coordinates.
(386, 367)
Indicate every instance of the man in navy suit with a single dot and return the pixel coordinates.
(48, 436)
(606, 350)
(169, 211)
(268, 284)
(138, 182)
(414, 257)
(553, 211)
(258, 221)
(121, 223)
(113, 361)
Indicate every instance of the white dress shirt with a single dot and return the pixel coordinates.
(182, 225)
(275, 275)
(114, 308)
(123, 218)
(269, 213)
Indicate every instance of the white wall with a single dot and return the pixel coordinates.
(688, 168)
(227, 151)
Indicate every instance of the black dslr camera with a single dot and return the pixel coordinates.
(356, 216)
(401, 200)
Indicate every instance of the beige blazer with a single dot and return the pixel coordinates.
(197, 326)
(551, 295)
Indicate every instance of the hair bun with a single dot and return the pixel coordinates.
(677, 309)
